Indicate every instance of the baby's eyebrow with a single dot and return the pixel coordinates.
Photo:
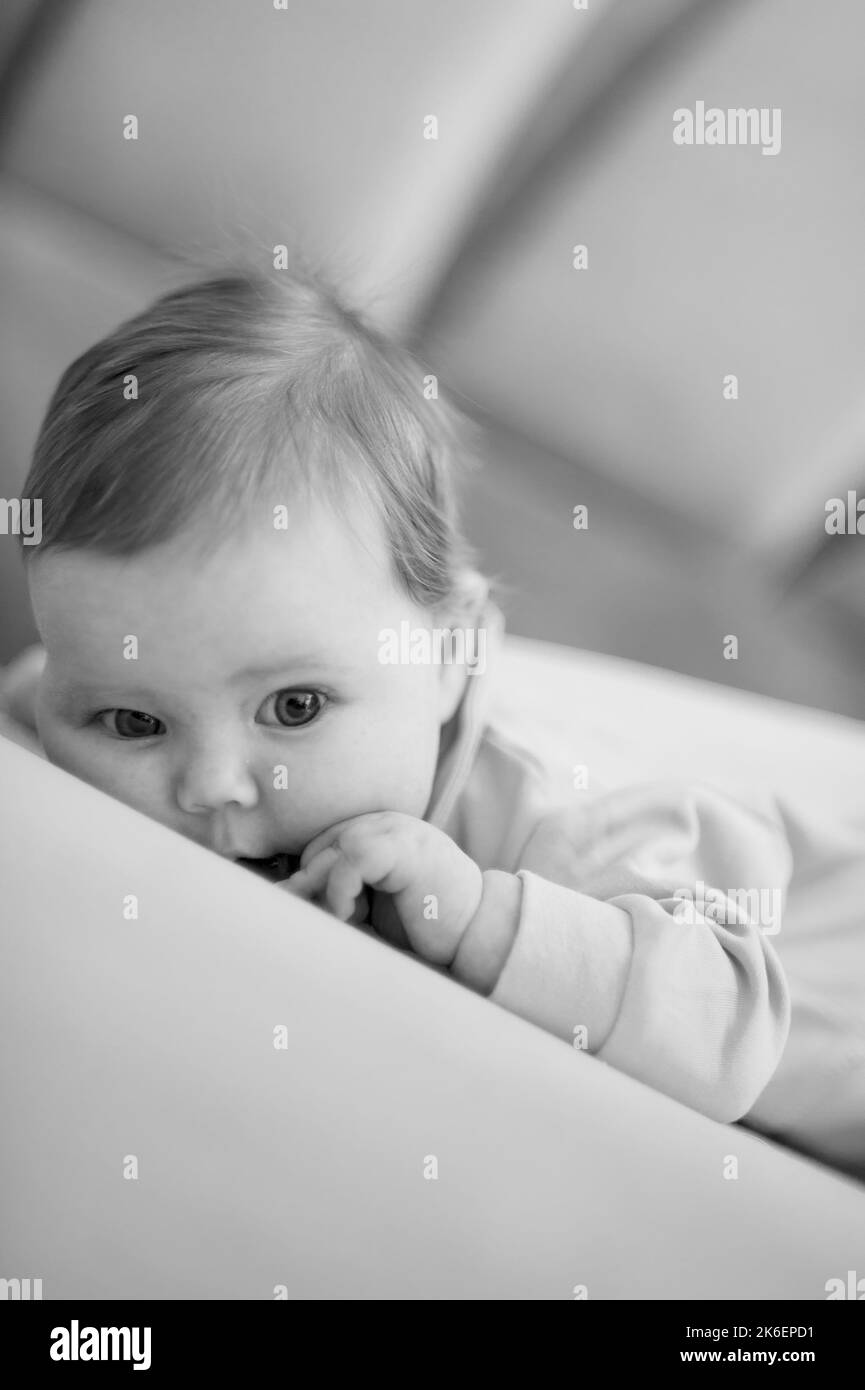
(307, 661)
(84, 688)
(87, 690)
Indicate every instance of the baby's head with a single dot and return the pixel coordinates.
(241, 488)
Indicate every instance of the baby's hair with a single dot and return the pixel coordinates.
(252, 386)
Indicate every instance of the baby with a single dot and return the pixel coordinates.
(245, 494)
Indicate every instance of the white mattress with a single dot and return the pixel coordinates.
(304, 1167)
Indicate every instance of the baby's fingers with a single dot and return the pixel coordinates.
(309, 881)
(344, 887)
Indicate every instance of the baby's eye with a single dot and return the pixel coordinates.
(131, 723)
(293, 708)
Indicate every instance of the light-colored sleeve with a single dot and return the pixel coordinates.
(644, 934)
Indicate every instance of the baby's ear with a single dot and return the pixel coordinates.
(462, 617)
(470, 597)
(452, 683)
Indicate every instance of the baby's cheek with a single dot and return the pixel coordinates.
(373, 770)
(405, 772)
(60, 743)
(100, 764)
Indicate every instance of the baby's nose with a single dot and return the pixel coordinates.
(214, 777)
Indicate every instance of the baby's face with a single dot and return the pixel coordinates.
(257, 712)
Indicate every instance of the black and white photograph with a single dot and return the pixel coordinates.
(432, 669)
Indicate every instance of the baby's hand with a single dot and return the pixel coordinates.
(432, 889)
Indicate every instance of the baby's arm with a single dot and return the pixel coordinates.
(604, 936)
(644, 961)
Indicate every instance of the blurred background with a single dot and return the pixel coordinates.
(600, 387)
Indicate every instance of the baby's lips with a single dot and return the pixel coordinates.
(285, 865)
(276, 868)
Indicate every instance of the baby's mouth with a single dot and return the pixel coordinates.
(276, 868)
